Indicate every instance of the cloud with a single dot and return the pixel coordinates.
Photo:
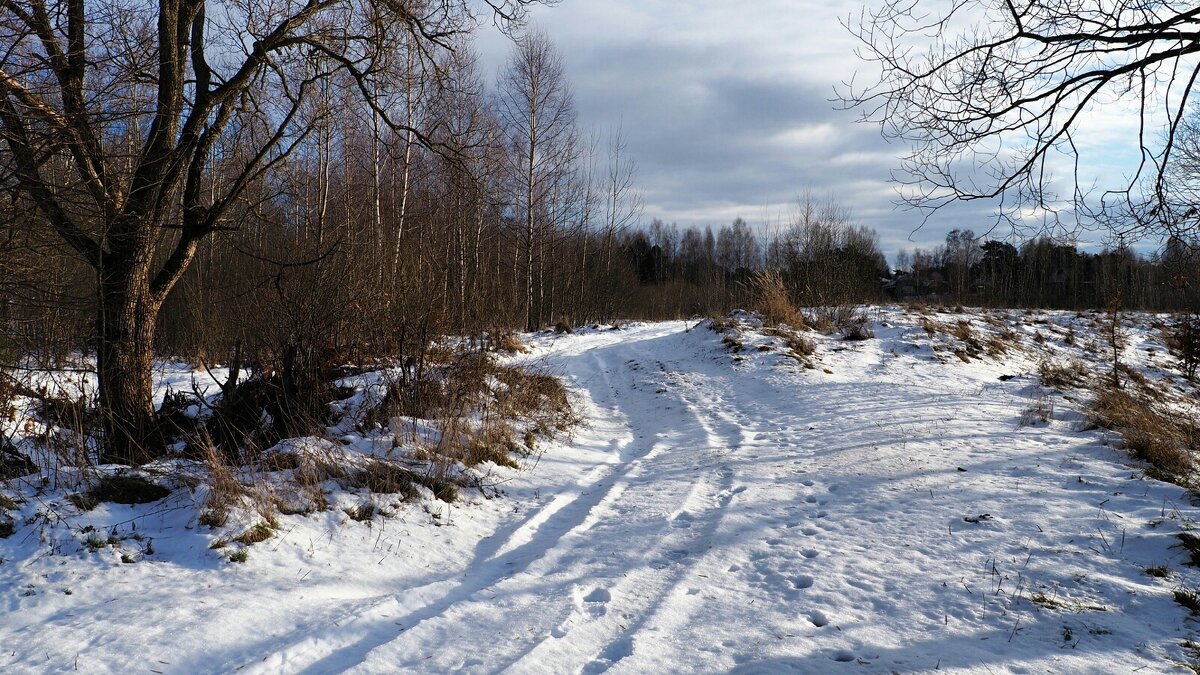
(727, 109)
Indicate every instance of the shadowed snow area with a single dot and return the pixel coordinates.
(715, 513)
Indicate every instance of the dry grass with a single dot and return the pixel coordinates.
(1000, 343)
(798, 345)
(1150, 434)
(721, 325)
(1041, 411)
(858, 329)
(128, 490)
(259, 532)
(509, 343)
(1190, 543)
(1062, 375)
(385, 477)
(225, 491)
(1188, 598)
(830, 320)
(773, 301)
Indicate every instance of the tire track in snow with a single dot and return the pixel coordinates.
(693, 524)
(507, 557)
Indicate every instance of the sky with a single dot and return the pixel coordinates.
(728, 109)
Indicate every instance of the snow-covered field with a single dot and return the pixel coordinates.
(894, 509)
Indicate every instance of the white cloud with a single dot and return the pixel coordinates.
(727, 108)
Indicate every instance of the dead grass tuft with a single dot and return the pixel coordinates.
(1150, 434)
(1001, 342)
(509, 343)
(858, 330)
(732, 343)
(1187, 598)
(1157, 571)
(259, 532)
(798, 345)
(385, 477)
(1062, 375)
(773, 301)
(721, 325)
(1190, 543)
(1041, 411)
(363, 513)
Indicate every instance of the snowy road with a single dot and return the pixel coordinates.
(753, 518)
(883, 512)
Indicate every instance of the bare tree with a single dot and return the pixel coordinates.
(137, 130)
(994, 108)
(622, 207)
(538, 110)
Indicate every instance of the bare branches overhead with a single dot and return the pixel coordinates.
(995, 96)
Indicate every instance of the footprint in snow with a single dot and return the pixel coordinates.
(596, 602)
(670, 558)
(818, 619)
(598, 595)
(683, 521)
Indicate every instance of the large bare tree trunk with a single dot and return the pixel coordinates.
(125, 353)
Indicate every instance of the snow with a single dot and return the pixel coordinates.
(884, 511)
